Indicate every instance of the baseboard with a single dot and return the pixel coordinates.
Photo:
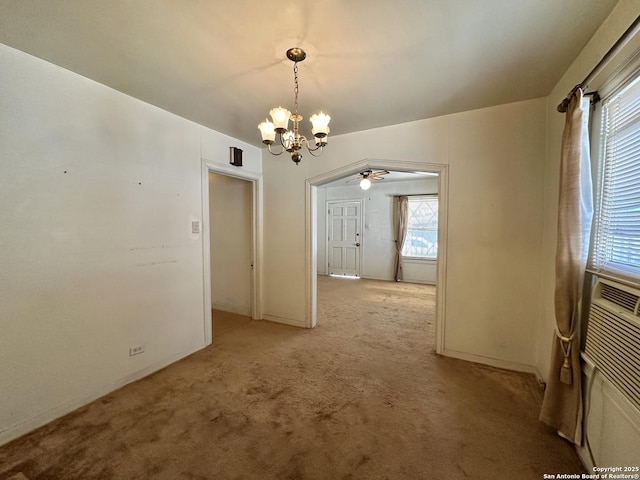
(421, 282)
(390, 279)
(26, 426)
(493, 362)
(286, 321)
(231, 309)
(374, 277)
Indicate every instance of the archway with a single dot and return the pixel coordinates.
(312, 221)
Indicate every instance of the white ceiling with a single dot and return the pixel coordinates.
(369, 63)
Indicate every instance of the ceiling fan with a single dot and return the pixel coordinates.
(366, 176)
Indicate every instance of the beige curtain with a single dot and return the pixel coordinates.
(401, 214)
(562, 405)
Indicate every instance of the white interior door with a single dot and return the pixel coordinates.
(343, 247)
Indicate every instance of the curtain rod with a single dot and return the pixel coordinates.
(621, 42)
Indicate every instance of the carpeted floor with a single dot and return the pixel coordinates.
(362, 396)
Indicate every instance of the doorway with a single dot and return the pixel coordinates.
(252, 198)
(230, 233)
(312, 231)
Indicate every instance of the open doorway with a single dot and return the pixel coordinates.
(232, 242)
(379, 236)
(230, 233)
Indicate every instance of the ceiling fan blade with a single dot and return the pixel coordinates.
(378, 175)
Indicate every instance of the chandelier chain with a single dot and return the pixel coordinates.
(295, 89)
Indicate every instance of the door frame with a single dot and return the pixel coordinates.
(256, 239)
(360, 228)
(311, 232)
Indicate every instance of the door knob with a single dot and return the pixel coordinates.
(357, 244)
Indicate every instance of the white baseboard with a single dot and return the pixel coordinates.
(421, 282)
(374, 277)
(285, 321)
(42, 418)
(231, 309)
(406, 280)
(493, 362)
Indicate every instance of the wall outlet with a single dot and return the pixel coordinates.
(138, 349)
(195, 227)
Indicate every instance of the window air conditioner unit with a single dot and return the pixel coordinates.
(613, 336)
(611, 375)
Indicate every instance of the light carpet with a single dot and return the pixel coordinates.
(362, 396)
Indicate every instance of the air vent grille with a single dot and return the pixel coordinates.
(613, 343)
(622, 298)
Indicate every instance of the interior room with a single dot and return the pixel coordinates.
(374, 227)
(196, 283)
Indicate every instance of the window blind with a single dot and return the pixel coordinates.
(616, 248)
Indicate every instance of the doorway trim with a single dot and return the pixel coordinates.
(311, 232)
(256, 239)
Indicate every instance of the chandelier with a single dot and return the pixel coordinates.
(291, 140)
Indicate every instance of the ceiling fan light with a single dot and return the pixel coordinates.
(320, 123)
(280, 118)
(268, 132)
(365, 184)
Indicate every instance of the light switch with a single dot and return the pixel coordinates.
(195, 227)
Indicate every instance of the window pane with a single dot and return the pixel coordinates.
(422, 228)
(420, 243)
(617, 229)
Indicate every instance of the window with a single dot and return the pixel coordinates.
(422, 228)
(616, 240)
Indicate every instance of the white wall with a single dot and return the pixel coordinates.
(378, 246)
(230, 207)
(98, 192)
(620, 18)
(496, 166)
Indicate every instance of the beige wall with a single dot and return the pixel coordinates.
(496, 171)
(98, 192)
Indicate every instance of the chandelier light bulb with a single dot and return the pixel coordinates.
(268, 132)
(365, 184)
(320, 123)
(288, 140)
(280, 118)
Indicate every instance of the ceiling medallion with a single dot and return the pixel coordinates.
(291, 140)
